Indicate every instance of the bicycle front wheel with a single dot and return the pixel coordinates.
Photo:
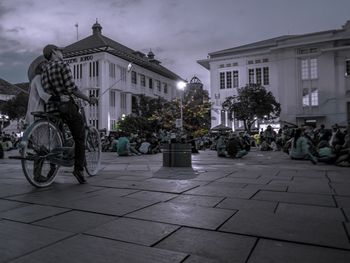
(92, 151)
(38, 141)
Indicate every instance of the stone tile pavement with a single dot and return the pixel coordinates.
(261, 208)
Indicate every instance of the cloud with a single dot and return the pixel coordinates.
(179, 32)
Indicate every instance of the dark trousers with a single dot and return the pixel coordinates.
(74, 120)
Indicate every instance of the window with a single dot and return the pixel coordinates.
(222, 80)
(143, 80)
(223, 117)
(258, 76)
(313, 68)
(309, 69)
(122, 72)
(251, 76)
(347, 68)
(165, 87)
(158, 85)
(150, 82)
(235, 79)
(112, 99)
(123, 101)
(304, 69)
(78, 71)
(133, 77)
(112, 70)
(306, 99)
(314, 97)
(266, 76)
(93, 69)
(228, 79)
(310, 97)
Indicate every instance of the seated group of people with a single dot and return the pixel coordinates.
(126, 145)
(332, 147)
(231, 146)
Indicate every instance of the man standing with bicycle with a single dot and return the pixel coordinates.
(57, 80)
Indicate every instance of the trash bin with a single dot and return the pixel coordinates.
(177, 155)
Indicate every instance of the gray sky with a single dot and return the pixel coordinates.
(179, 32)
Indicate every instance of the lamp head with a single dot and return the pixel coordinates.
(181, 85)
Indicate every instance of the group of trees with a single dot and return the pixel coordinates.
(152, 114)
(16, 107)
(251, 103)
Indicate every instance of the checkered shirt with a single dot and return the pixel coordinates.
(57, 80)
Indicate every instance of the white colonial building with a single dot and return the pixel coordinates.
(308, 74)
(101, 67)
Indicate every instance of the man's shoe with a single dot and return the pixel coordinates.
(80, 176)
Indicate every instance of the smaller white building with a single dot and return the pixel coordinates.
(308, 74)
(101, 67)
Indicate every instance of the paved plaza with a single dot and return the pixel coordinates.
(261, 208)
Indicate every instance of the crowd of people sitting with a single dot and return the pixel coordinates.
(8, 142)
(232, 145)
(331, 146)
(128, 144)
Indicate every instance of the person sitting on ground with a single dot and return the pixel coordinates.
(155, 144)
(235, 147)
(300, 148)
(145, 147)
(221, 146)
(269, 135)
(337, 139)
(123, 146)
(325, 153)
(343, 158)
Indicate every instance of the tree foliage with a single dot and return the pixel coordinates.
(152, 114)
(16, 107)
(252, 102)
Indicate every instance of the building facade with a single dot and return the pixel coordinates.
(117, 75)
(308, 74)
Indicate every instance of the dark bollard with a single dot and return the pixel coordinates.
(177, 155)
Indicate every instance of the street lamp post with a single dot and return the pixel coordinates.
(181, 85)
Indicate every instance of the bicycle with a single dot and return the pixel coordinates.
(47, 144)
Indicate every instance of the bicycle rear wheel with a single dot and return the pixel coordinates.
(38, 140)
(92, 151)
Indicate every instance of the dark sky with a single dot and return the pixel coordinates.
(179, 32)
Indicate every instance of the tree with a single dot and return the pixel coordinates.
(16, 107)
(196, 111)
(252, 102)
(152, 114)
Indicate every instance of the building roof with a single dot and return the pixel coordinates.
(100, 43)
(260, 44)
(23, 86)
(282, 42)
(7, 88)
